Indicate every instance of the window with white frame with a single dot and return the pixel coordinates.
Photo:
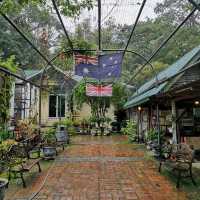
(56, 106)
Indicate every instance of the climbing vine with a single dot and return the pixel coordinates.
(6, 82)
(99, 105)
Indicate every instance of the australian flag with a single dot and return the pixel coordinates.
(110, 65)
(101, 67)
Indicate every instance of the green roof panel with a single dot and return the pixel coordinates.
(173, 69)
(144, 92)
(144, 97)
(31, 72)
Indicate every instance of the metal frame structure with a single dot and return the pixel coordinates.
(125, 50)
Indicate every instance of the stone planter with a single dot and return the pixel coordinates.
(3, 185)
(49, 152)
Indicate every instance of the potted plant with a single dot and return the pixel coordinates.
(84, 125)
(49, 145)
(25, 129)
(76, 125)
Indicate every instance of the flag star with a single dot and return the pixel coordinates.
(109, 74)
(111, 58)
(104, 65)
(85, 71)
(115, 62)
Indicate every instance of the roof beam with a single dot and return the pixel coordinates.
(164, 43)
(2, 69)
(136, 22)
(61, 21)
(99, 24)
(28, 41)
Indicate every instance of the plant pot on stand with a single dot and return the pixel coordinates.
(49, 145)
(49, 152)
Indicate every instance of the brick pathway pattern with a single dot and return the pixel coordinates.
(104, 168)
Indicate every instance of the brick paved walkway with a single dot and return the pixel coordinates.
(103, 168)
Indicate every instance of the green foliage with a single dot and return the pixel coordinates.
(9, 64)
(120, 95)
(4, 135)
(71, 131)
(6, 144)
(6, 86)
(130, 130)
(76, 123)
(99, 105)
(49, 136)
(79, 95)
(152, 135)
(68, 8)
(65, 122)
(175, 11)
(99, 120)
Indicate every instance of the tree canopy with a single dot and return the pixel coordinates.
(38, 21)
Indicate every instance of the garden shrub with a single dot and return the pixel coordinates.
(152, 135)
(71, 131)
(65, 122)
(4, 135)
(131, 131)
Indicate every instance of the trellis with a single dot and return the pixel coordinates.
(49, 63)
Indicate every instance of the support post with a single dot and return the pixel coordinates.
(40, 109)
(140, 135)
(158, 123)
(149, 118)
(99, 23)
(174, 124)
(138, 126)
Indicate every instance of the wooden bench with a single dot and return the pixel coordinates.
(19, 162)
(32, 144)
(179, 159)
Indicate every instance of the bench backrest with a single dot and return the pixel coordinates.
(181, 152)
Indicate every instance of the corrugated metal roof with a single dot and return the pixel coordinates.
(171, 71)
(30, 73)
(144, 97)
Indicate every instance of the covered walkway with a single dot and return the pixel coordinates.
(99, 168)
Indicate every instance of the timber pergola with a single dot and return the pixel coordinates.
(49, 62)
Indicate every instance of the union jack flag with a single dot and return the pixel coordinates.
(98, 90)
(83, 59)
